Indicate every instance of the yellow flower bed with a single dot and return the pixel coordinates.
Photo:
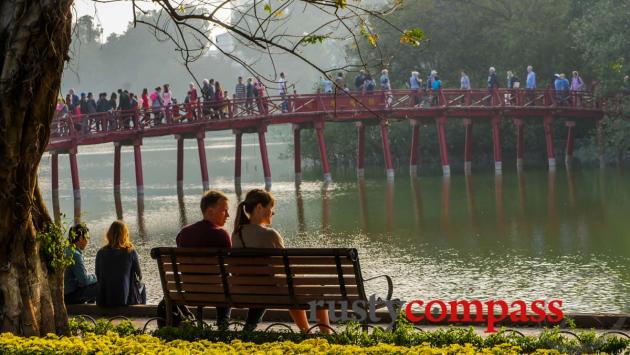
(112, 343)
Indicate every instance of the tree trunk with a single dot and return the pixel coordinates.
(34, 43)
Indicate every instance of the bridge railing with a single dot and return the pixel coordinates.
(72, 125)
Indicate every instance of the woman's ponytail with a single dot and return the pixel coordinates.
(241, 217)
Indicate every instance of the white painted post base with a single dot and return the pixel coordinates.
(327, 178)
(413, 170)
(360, 173)
(519, 164)
(390, 174)
(446, 170)
(498, 168)
(140, 190)
(206, 186)
(117, 189)
(237, 180)
(467, 168)
(77, 194)
(568, 160)
(267, 182)
(552, 163)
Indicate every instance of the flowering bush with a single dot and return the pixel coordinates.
(112, 343)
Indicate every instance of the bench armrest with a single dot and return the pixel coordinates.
(390, 285)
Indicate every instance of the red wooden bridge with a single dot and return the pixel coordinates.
(191, 121)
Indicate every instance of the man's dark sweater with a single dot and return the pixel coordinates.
(203, 234)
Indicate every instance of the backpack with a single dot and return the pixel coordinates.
(181, 314)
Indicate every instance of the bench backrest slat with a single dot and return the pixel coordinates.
(258, 277)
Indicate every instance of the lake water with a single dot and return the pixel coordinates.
(531, 236)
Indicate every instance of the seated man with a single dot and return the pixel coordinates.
(208, 233)
(79, 286)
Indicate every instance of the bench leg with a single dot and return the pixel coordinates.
(169, 314)
(200, 315)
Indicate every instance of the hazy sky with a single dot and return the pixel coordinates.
(113, 16)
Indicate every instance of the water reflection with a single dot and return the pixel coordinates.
(389, 208)
(77, 210)
(181, 203)
(363, 214)
(498, 198)
(552, 211)
(470, 204)
(118, 204)
(326, 209)
(444, 211)
(416, 196)
(142, 232)
(299, 200)
(56, 209)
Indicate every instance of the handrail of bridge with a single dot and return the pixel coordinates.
(66, 126)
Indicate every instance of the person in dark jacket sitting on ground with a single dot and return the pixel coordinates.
(209, 233)
(79, 286)
(118, 270)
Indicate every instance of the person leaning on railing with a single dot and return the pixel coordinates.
(252, 230)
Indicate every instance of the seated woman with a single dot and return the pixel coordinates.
(79, 286)
(118, 270)
(251, 230)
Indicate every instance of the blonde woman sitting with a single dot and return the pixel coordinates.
(118, 270)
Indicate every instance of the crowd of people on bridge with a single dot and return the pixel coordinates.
(125, 109)
(117, 281)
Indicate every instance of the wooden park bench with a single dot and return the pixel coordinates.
(260, 278)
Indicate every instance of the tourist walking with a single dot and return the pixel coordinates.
(249, 101)
(79, 286)
(386, 86)
(340, 82)
(435, 91)
(577, 85)
(326, 85)
(359, 80)
(493, 81)
(252, 229)
(464, 81)
(118, 270)
(240, 93)
(283, 90)
(261, 101)
(157, 102)
(369, 85)
(414, 84)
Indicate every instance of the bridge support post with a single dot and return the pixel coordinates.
(238, 149)
(360, 149)
(203, 163)
(386, 150)
(117, 148)
(600, 144)
(519, 143)
(180, 162)
(264, 156)
(137, 154)
(568, 154)
(496, 144)
(551, 156)
(54, 174)
(413, 157)
(440, 122)
(297, 152)
(319, 130)
(468, 147)
(74, 171)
